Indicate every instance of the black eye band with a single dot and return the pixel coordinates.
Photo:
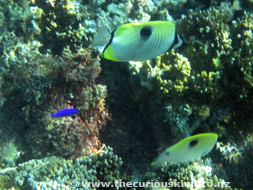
(145, 32)
(175, 41)
(112, 36)
(193, 143)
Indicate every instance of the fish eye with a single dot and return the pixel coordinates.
(193, 143)
(167, 153)
(146, 32)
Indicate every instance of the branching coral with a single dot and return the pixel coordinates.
(188, 176)
(219, 50)
(170, 74)
(174, 74)
(62, 24)
(56, 173)
(171, 78)
(229, 152)
(232, 152)
(242, 58)
(16, 17)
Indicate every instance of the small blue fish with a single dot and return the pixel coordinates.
(65, 112)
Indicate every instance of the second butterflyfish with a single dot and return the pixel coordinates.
(143, 41)
(188, 149)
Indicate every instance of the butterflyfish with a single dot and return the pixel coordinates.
(143, 41)
(188, 149)
(65, 112)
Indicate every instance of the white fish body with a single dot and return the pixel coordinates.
(188, 149)
(138, 42)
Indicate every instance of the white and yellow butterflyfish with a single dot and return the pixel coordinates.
(143, 41)
(187, 149)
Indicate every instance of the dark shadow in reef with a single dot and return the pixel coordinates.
(129, 132)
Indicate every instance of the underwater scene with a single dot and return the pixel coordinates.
(126, 94)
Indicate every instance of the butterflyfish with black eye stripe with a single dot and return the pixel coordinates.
(188, 149)
(143, 41)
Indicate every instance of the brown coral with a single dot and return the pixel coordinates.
(74, 86)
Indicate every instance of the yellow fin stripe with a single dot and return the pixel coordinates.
(109, 54)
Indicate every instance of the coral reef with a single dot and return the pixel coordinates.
(214, 55)
(35, 174)
(7, 183)
(188, 176)
(59, 24)
(9, 154)
(72, 136)
(177, 107)
(17, 18)
(196, 82)
(235, 161)
(40, 83)
(25, 71)
(73, 23)
(205, 85)
(47, 64)
(63, 23)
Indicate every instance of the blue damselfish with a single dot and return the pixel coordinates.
(65, 112)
